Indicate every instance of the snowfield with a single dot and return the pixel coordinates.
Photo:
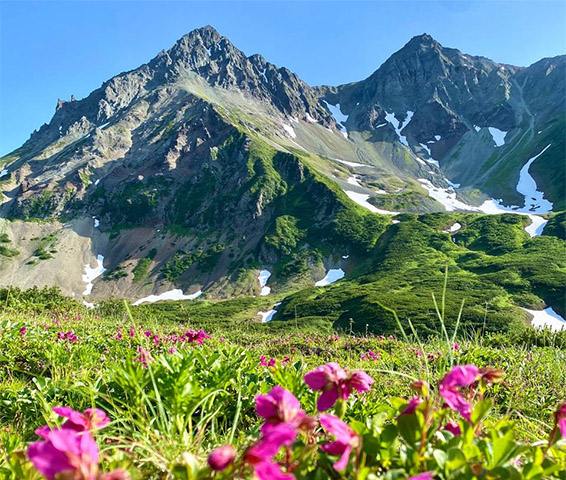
(547, 318)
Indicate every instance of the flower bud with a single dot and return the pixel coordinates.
(221, 457)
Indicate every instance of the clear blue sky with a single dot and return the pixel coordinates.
(54, 49)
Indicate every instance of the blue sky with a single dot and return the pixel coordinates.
(50, 49)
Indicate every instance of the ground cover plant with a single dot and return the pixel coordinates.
(131, 394)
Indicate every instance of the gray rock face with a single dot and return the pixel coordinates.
(453, 95)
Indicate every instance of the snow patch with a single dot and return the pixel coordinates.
(546, 318)
(3, 172)
(97, 181)
(87, 304)
(362, 199)
(333, 275)
(477, 128)
(175, 294)
(398, 126)
(96, 222)
(350, 164)
(290, 130)
(101, 127)
(267, 316)
(437, 137)
(262, 278)
(454, 228)
(92, 273)
(381, 125)
(345, 257)
(498, 136)
(340, 118)
(354, 181)
(445, 196)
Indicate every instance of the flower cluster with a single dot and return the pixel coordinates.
(284, 420)
(67, 336)
(70, 451)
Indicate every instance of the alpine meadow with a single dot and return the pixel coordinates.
(210, 269)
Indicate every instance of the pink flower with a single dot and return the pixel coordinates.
(422, 476)
(132, 332)
(220, 458)
(23, 331)
(412, 406)
(90, 419)
(458, 377)
(456, 346)
(280, 406)
(453, 428)
(560, 417)
(346, 440)
(144, 357)
(336, 383)
(65, 451)
(260, 455)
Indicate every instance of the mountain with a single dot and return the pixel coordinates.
(205, 166)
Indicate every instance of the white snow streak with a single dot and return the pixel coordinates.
(390, 117)
(362, 199)
(175, 294)
(262, 278)
(92, 273)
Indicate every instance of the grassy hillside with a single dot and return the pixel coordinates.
(492, 266)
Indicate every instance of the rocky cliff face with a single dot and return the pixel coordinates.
(204, 165)
(468, 113)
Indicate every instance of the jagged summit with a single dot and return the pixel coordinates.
(249, 165)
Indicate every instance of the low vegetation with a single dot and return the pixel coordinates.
(199, 390)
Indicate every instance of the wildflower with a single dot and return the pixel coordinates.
(281, 406)
(147, 333)
(458, 377)
(172, 350)
(391, 337)
(132, 332)
(90, 419)
(346, 440)
(560, 418)
(336, 383)
(23, 331)
(456, 347)
(260, 455)
(422, 476)
(144, 357)
(453, 428)
(65, 453)
(412, 405)
(220, 458)
(419, 353)
(371, 355)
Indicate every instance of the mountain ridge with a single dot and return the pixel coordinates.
(204, 166)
